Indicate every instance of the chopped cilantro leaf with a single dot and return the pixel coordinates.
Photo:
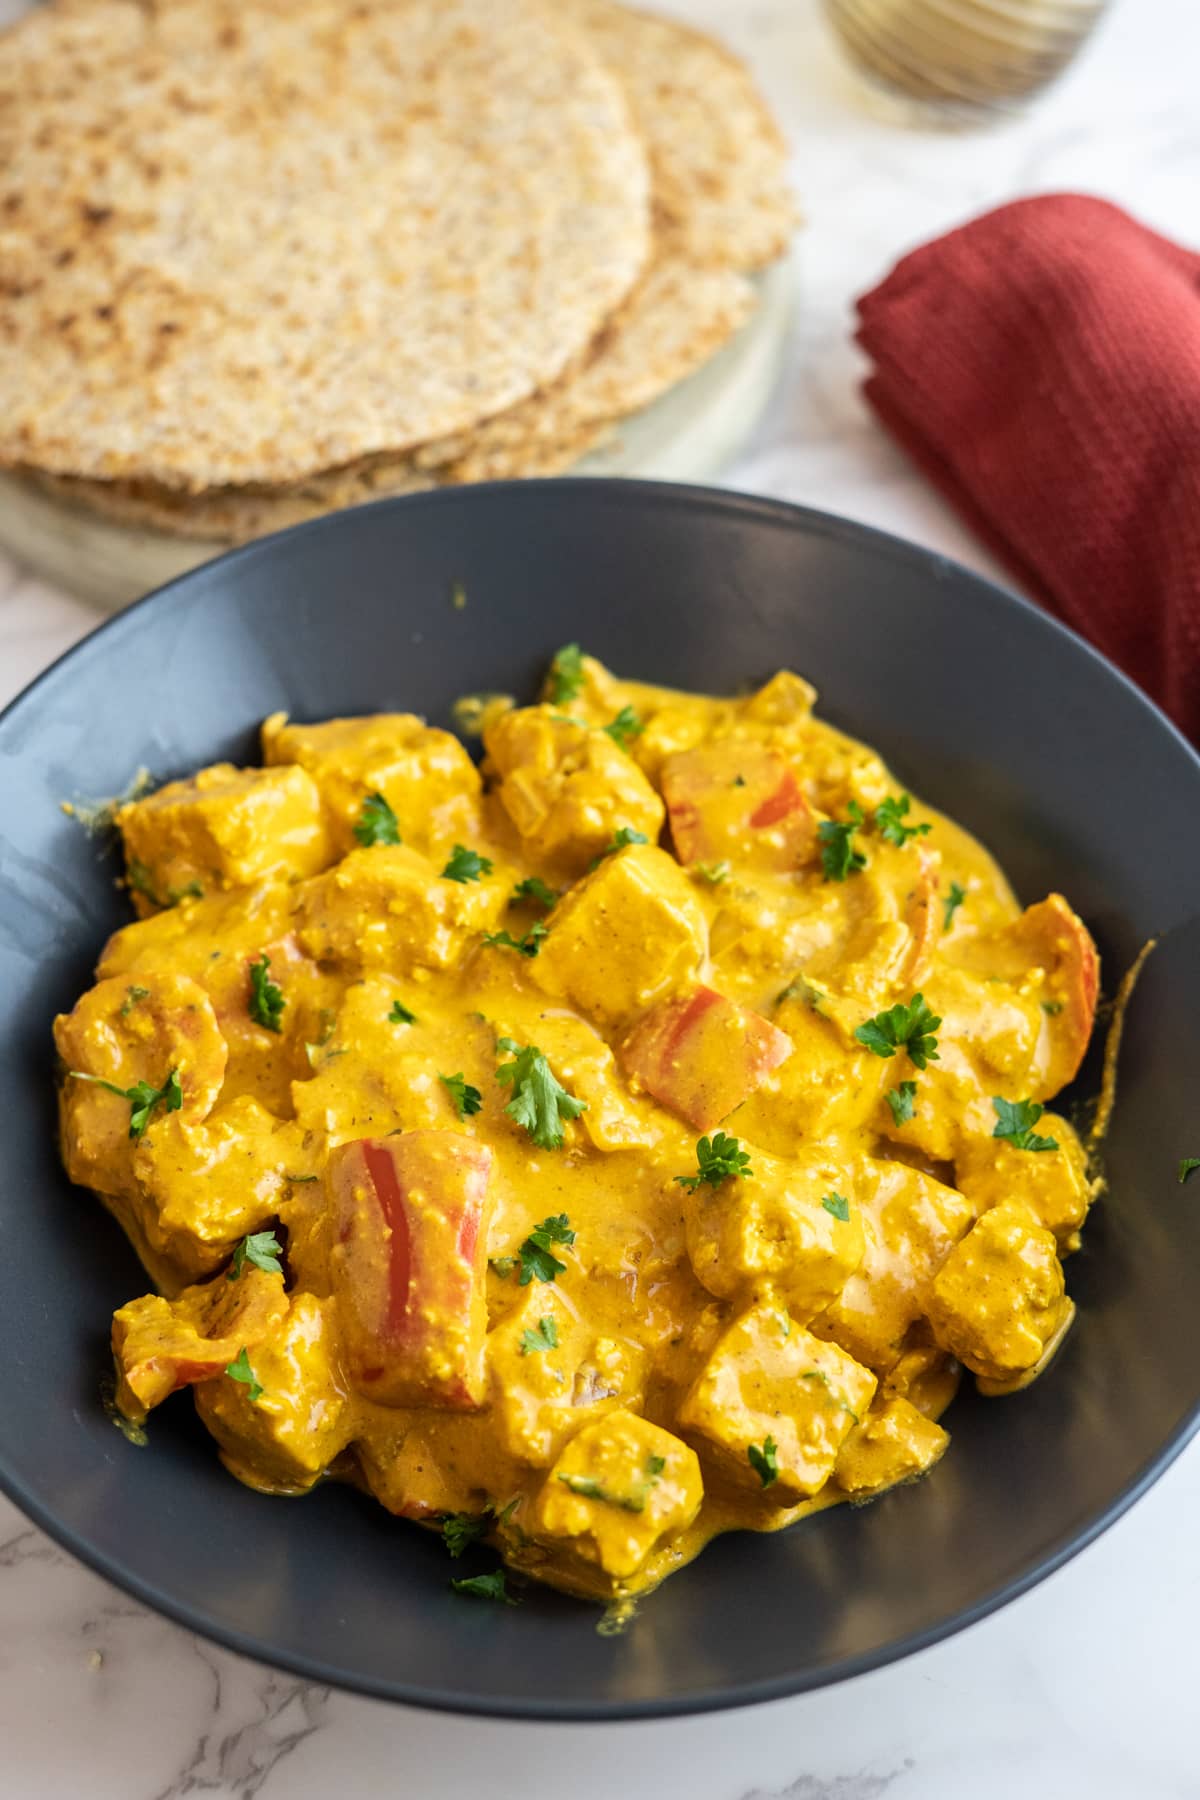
(902, 1027)
(239, 1370)
(538, 1261)
(260, 1248)
(141, 1096)
(266, 996)
(764, 1462)
(543, 1337)
(467, 1099)
(1052, 1008)
(590, 1489)
(620, 840)
(839, 858)
(132, 996)
(377, 823)
(1015, 1120)
(466, 865)
(717, 1158)
(838, 1205)
(889, 819)
(951, 904)
(625, 727)
(539, 1101)
(712, 873)
(533, 888)
(902, 1101)
(486, 1587)
(529, 945)
(1187, 1167)
(400, 1014)
(566, 675)
(461, 1530)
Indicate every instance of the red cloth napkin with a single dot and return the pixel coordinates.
(1042, 365)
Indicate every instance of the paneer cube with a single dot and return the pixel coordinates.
(160, 1345)
(385, 907)
(567, 788)
(1054, 1184)
(217, 941)
(769, 1378)
(409, 1263)
(894, 1443)
(629, 932)
(620, 1486)
(740, 802)
(201, 1185)
(118, 1035)
(284, 1440)
(999, 1299)
(786, 699)
(425, 775)
(701, 1054)
(792, 1225)
(911, 1224)
(550, 1373)
(223, 828)
(826, 1086)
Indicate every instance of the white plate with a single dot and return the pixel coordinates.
(688, 435)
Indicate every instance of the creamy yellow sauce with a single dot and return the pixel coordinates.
(426, 1165)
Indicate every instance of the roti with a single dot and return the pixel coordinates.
(245, 243)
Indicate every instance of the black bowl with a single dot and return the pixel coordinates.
(983, 706)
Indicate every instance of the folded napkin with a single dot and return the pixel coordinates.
(1042, 365)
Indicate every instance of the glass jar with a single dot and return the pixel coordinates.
(957, 62)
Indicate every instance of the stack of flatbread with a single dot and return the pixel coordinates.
(264, 258)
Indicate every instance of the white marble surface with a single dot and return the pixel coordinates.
(1086, 1686)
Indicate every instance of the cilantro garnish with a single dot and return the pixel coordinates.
(620, 840)
(625, 727)
(461, 1530)
(141, 879)
(538, 1261)
(1015, 1120)
(467, 1099)
(902, 1027)
(132, 996)
(839, 858)
(239, 1370)
(717, 1158)
(533, 888)
(1187, 1167)
(901, 1100)
(529, 945)
(712, 873)
(466, 865)
(764, 1462)
(266, 996)
(400, 1014)
(141, 1096)
(543, 1337)
(566, 675)
(838, 1205)
(377, 823)
(951, 903)
(889, 819)
(486, 1587)
(539, 1101)
(590, 1489)
(260, 1248)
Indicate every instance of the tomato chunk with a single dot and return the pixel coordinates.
(737, 802)
(701, 1054)
(409, 1264)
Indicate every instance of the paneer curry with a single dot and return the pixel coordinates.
(628, 1140)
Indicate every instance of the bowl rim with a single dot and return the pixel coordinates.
(808, 521)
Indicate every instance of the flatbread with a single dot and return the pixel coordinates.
(246, 242)
(718, 161)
